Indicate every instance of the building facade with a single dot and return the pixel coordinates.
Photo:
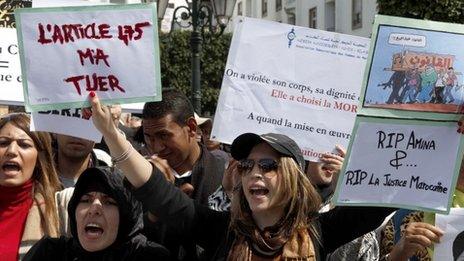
(353, 17)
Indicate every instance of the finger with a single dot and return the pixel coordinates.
(341, 150)
(95, 103)
(418, 239)
(432, 228)
(332, 160)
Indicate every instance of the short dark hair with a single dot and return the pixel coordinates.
(174, 103)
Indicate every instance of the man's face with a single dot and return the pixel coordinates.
(168, 140)
(73, 147)
(319, 174)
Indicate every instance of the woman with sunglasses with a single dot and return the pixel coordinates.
(274, 214)
(28, 182)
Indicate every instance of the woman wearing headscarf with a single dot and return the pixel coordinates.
(106, 223)
(28, 182)
(274, 214)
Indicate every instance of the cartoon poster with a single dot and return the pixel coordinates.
(67, 52)
(415, 66)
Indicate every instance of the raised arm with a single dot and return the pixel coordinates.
(134, 166)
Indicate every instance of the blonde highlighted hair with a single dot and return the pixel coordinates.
(45, 177)
(295, 194)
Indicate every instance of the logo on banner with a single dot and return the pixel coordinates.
(291, 36)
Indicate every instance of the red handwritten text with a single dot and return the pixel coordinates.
(71, 32)
(95, 83)
(94, 56)
(128, 33)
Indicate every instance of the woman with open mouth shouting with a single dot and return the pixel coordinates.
(106, 223)
(28, 182)
(274, 213)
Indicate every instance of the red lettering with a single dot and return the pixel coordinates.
(75, 80)
(104, 31)
(138, 29)
(114, 83)
(57, 34)
(42, 38)
(101, 56)
(126, 34)
(93, 56)
(86, 55)
(67, 31)
(95, 83)
(102, 83)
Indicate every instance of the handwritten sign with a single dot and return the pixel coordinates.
(69, 122)
(451, 246)
(401, 163)
(69, 51)
(291, 80)
(10, 68)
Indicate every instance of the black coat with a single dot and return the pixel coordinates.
(210, 229)
(130, 244)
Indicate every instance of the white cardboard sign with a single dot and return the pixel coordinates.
(297, 81)
(451, 246)
(69, 122)
(10, 69)
(400, 163)
(69, 51)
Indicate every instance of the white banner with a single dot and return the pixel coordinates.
(68, 52)
(69, 122)
(400, 163)
(451, 246)
(11, 88)
(297, 81)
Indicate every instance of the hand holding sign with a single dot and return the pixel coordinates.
(417, 236)
(101, 116)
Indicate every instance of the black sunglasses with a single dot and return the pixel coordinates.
(265, 165)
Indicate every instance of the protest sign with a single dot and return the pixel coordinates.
(69, 122)
(10, 68)
(401, 163)
(297, 81)
(410, 101)
(451, 246)
(414, 69)
(67, 52)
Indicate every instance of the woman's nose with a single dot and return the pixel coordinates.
(95, 208)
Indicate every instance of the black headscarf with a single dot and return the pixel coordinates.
(129, 242)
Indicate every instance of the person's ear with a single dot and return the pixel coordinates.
(192, 127)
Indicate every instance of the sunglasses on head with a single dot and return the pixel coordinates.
(265, 165)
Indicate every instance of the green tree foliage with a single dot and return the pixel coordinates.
(176, 65)
(438, 10)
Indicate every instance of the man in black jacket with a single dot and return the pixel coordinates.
(169, 129)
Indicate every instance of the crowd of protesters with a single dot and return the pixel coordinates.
(166, 191)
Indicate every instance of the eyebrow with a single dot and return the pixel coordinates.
(20, 138)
